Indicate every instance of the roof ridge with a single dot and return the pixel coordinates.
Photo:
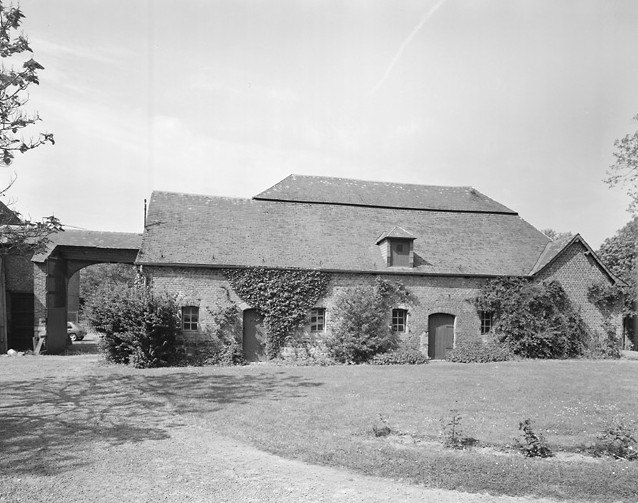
(316, 177)
(191, 194)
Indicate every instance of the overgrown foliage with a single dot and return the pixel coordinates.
(224, 346)
(618, 253)
(536, 320)
(282, 297)
(137, 325)
(477, 351)
(618, 440)
(360, 328)
(533, 444)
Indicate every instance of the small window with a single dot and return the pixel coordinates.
(190, 318)
(318, 319)
(399, 320)
(487, 319)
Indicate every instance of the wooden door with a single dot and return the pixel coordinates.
(254, 336)
(441, 335)
(21, 325)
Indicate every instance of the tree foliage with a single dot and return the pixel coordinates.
(14, 84)
(624, 171)
(94, 277)
(28, 236)
(556, 235)
(618, 253)
(13, 89)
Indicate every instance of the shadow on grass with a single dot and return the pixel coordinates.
(53, 425)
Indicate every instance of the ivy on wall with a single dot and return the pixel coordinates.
(282, 297)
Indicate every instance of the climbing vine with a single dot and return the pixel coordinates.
(282, 297)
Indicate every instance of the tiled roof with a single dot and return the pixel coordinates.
(91, 239)
(555, 248)
(184, 229)
(551, 251)
(320, 189)
(7, 216)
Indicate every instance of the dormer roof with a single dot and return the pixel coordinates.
(396, 233)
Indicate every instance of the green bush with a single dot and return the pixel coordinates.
(477, 351)
(536, 320)
(137, 325)
(360, 327)
(400, 357)
(618, 441)
(533, 444)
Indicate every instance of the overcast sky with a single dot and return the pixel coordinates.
(521, 99)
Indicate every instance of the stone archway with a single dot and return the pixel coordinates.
(69, 252)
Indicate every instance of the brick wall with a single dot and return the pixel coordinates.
(19, 274)
(40, 294)
(208, 288)
(577, 270)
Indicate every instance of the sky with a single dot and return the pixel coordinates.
(520, 99)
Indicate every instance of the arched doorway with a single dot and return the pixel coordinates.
(441, 335)
(254, 336)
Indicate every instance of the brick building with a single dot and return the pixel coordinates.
(442, 243)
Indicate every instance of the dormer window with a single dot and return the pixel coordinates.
(397, 247)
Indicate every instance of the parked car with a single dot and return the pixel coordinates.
(75, 331)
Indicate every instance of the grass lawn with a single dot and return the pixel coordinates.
(324, 415)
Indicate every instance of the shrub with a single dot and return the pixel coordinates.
(137, 325)
(452, 433)
(360, 329)
(400, 357)
(533, 444)
(617, 440)
(477, 351)
(536, 320)
(381, 427)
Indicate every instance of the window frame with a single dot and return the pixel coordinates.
(487, 321)
(318, 320)
(399, 320)
(190, 318)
